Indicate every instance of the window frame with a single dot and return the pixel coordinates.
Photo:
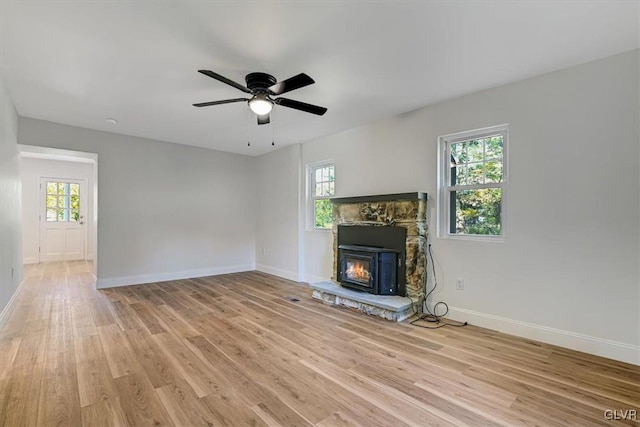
(445, 188)
(311, 197)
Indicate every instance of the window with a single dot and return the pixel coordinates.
(63, 201)
(322, 187)
(473, 176)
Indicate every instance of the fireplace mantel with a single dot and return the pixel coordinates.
(381, 198)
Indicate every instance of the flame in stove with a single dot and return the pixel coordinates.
(356, 270)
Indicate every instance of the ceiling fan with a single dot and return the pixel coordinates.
(262, 87)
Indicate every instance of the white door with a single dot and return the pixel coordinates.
(62, 224)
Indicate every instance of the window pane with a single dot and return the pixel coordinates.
(477, 211)
(52, 201)
(332, 173)
(61, 188)
(332, 188)
(458, 175)
(318, 175)
(467, 174)
(458, 153)
(75, 215)
(51, 215)
(325, 174)
(63, 202)
(453, 168)
(493, 171)
(318, 190)
(322, 213)
(63, 215)
(494, 147)
(474, 173)
(475, 150)
(75, 189)
(52, 187)
(75, 202)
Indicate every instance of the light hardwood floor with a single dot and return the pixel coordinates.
(237, 350)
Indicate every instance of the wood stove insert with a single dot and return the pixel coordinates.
(369, 269)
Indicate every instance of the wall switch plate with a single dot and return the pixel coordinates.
(460, 284)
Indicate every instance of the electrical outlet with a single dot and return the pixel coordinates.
(460, 284)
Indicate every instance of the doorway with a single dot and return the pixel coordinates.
(63, 232)
(59, 205)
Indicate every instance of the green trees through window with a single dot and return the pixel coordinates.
(63, 201)
(477, 212)
(323, 213)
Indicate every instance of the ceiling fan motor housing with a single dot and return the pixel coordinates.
(260, 82)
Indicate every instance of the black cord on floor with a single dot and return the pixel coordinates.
(430, 317)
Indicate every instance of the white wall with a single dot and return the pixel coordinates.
(568, 272)
(276, 239)
(165, 210)
(32, 169)
(10, 209)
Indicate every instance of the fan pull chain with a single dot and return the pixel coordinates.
(273, 143)
(248, 132)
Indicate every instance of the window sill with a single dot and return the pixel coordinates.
(320, 229)
(496, 239)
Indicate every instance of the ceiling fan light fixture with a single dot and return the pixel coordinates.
(261, 104)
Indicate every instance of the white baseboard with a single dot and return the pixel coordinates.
(599, 346)
(312, 278)
(30, 260)
(112, 282)
(8, 309)
(285, 274)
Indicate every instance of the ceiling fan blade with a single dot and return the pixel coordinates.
(223, 79)
(292, 83)
(302, 106)
(263, 119)
(224, 101)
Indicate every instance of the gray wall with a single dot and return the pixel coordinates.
(10, 200)
(164, 210)
(568, 271)
(276, 239)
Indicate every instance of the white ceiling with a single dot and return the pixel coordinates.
(80, 62)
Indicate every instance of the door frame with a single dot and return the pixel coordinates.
(42, 214)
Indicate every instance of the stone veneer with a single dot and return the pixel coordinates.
(408, 210)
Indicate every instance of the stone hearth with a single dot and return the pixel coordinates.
(393, 308)
(408, 210)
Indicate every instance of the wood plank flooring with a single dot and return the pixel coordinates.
(238, 350)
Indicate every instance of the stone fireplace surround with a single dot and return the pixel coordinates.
(408, 210)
